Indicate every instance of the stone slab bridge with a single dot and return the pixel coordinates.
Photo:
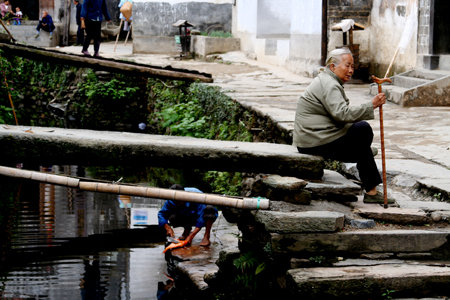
(45, 145)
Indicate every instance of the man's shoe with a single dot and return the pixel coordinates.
(374, 151)
(97, 55)
(37, 35)
(377, 198)
(51, 37)
(86, 53)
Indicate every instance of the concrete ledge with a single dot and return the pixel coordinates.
(308, 221)
(26, 34)
(204, 45)
(154, 45)
(357, 242)
(89, 147)
(370, 281)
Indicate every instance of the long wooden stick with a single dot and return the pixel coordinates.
(128, 34)
(142, 191)
(109, 65)
(7, 30)
(117, 38)
(392, 62)
(10, 100)
(383, 152)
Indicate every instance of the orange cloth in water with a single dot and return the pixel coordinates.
(173, 246)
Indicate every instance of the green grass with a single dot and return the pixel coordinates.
(219, 33)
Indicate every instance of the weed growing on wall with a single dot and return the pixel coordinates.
(218, 33)
(201, 111)
(108, 102)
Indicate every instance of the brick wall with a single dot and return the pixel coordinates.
(358, 10)
(423, 46)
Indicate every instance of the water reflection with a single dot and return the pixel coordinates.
(71, 244)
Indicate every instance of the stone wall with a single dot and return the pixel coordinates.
(306, 37)
(388, 21)
(358, 10)
(152, 20)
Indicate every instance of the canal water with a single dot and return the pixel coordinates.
(64, 243)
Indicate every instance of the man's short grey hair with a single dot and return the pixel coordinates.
(335, 56)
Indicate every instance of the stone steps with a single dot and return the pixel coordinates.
(354, 243)
(417, 88)
(367, 281)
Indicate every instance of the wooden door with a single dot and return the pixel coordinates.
(49, 6)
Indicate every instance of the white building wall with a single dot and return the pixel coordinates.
(306, 37)
(245, 13)
(388, 19)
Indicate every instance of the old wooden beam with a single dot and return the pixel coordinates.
(65, 35)
(104, 64)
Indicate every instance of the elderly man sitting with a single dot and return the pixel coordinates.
(46, 24)
(326, 125)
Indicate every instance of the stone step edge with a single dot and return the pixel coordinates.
(357, 282)
(363, 241)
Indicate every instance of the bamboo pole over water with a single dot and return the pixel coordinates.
(142, 191)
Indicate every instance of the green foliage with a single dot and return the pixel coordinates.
(6, 115)
(197, 110)
(249, 265)
(388, 293)
(218, 33)
(438, 196)
(108, 102)
(111, 90)
(333, 165)
(224, 182)
(29, 82)
(317, 259)
(201, 111)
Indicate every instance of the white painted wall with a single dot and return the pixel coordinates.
(306, 17)
(245, 26)
(306, 37)
(274, 18)
(386, 30)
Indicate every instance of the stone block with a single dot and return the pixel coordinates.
(278, 188)
(440, 216)
(192, 274)
(308, 221)
(363, 224)
(284, 183)
(334, 187)
(359, 242)
(392, 215)
(365, 282)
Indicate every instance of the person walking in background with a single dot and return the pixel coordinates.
(80, 31)
(92, 13)
(46, 24)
